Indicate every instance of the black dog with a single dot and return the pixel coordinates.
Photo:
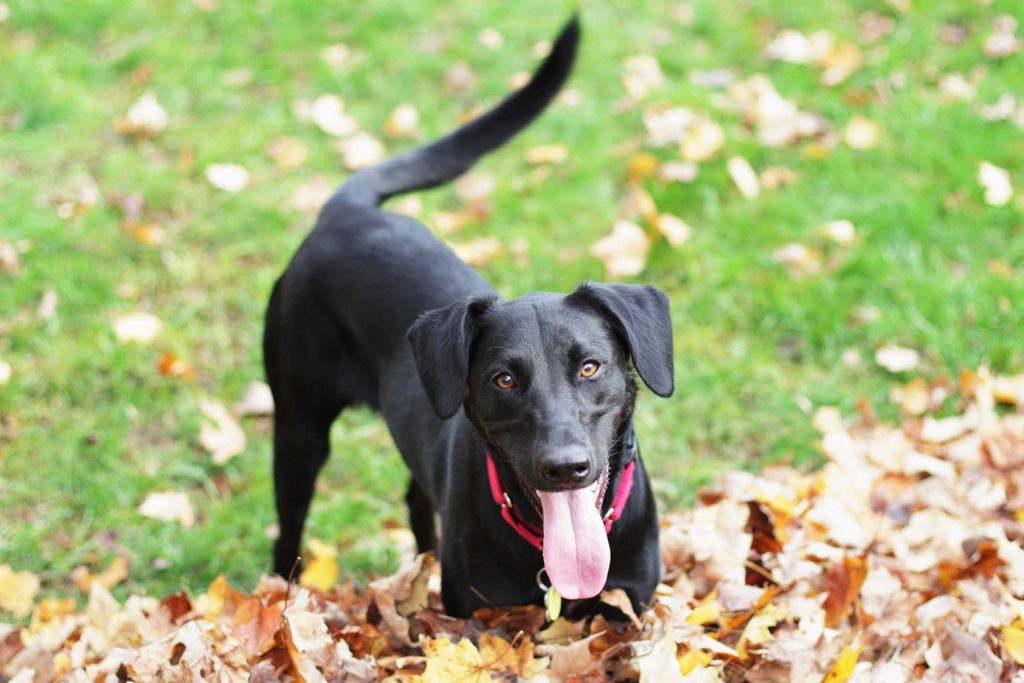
(528, 402)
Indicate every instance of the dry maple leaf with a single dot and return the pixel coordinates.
(844, 582)
(642, 75)
(675, 230)
(478, 252)
(554, 153)
(288, 153)
(257, 400)
(702, 140)
(360, 151)
(624, 251)
(403, 122)
(17, 591)
(139, 327)
(328, 113)
(743, 175)
(146, 118)
(228, 177)
(115, 573)
(169, 506)
(861, 133)
(448, 662)
(897, 358)
(321, 570)
(312, 195)
(996, 183)
(220, 435)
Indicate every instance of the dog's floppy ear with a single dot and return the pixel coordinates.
(641, 316)
(441, 341)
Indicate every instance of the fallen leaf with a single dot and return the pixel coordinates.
(228, 177)
(478, 252)
(547, 154)
(774, 177)
(287, 153)
(844, 666)
(9, 262)
(996, 183)
(798, 259)
(328, 113)
(115, 573)
(624, 251)
(403, 122)
(642, 75)
(840, 63)
(360, 151)
(447, 662)
(459, 77)
(146, 118)
(844, 582)
(321, 571)
(1013, 641)
(169, 506)
(861, 133)
(312, 195)
(337, 55)
(744, 177)
(675, 230)
(17, 591)
(1001, 42)
(790, 45)
(220, 435)
(171, 365)
(897, 358)
(667, 125)
(841, 232)
(702, 140)
(678, 171)
(5, 372)
(257, 400)
(490, 38)
(139, 327)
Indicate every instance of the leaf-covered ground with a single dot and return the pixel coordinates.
(899, 560)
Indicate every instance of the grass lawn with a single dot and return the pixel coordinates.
(89, 426)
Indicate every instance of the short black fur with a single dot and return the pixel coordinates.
(374, 310)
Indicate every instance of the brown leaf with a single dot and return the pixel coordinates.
(844, 582)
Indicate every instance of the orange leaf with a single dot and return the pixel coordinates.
(844, 582)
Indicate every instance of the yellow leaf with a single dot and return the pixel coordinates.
(844, 665)
(706, 611)
(497, 655)
(447, 661)
(757, 630)
(1013, 641)
(547, 154)
(17, 589)
(693, 659)
(322, 571)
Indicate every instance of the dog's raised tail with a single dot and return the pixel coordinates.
(451, 156)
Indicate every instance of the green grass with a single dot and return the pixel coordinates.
(89, 426)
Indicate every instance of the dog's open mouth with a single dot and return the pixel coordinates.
(576, 552)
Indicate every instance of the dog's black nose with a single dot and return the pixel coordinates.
(565, 470)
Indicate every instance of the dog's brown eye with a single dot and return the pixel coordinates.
(589, 369)
(505, 380)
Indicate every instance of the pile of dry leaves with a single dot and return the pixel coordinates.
(899, 560)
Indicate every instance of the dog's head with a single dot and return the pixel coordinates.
(546, 377)
(546, 380)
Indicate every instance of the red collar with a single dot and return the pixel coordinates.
(535, 537)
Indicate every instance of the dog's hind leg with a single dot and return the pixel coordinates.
(421, 518)
(314, 373)
(300, 450)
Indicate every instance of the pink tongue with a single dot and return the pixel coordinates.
(576, 553)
